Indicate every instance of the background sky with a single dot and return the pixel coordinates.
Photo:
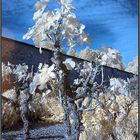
(109, 22)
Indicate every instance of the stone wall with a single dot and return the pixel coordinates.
(17, 52)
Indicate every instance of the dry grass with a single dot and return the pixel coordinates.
(97, 125)
(10, 115)
(44, 109)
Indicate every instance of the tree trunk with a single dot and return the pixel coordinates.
(75, 115)
(67, 117)
(24, 110)
(68, 97)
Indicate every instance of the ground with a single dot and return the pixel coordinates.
(54, 132)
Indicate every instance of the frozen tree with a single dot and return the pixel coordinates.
(51, 29)
(111, 57)
(21, 79)
(6, 71)
(56, 26)
(133, 66)
(24, 87)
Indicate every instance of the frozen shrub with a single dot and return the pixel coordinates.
(72, 52)
(105, 56)
(89, 54)
(111, 57)
(133, 66)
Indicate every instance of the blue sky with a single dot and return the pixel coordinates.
(109, 22)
